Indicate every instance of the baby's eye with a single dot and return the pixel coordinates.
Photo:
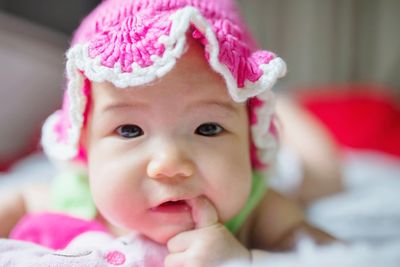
(129, 131)
(209, 129)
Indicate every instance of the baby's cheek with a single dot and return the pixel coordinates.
(114, 208)
(120, 205)
(104, 189)
(233, 202)
(231, 192)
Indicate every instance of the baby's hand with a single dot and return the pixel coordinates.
(209, 244)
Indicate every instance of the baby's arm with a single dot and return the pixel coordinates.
(274, 226)
(315, 147)
(279, 222)
(16, 201)
(12, 208)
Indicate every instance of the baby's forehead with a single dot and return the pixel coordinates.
(163, 93)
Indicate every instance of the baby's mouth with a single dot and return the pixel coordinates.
(172, 207)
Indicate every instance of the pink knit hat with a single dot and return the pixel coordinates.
(133, 42)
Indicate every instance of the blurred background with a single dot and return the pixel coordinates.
(323, 42)
(331, 40)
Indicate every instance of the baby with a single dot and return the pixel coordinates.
(169, 111)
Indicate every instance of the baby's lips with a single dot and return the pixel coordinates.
(204, 213)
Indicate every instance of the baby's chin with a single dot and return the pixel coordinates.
(165, 232)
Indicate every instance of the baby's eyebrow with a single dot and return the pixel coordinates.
(226, 106)
(114, 107)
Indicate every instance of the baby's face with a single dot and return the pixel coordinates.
(153, 148)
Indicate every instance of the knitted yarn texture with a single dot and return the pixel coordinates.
(133, 42)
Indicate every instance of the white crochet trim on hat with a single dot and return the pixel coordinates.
(50, 141)
(175, 45)
(264, 140)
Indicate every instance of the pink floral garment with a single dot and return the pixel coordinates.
(91, 249)
(54, 239)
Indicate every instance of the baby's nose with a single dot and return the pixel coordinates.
(170, 160)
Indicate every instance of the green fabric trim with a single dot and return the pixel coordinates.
(258, 189)
(71, 194)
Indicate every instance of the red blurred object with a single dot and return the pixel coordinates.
(359, 116)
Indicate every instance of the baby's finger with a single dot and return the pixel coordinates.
(174, 260)
(179, 243)
(203, 212)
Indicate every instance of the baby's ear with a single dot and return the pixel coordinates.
(83, 139)
(84, 134)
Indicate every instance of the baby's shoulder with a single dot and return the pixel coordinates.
(274, 218)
